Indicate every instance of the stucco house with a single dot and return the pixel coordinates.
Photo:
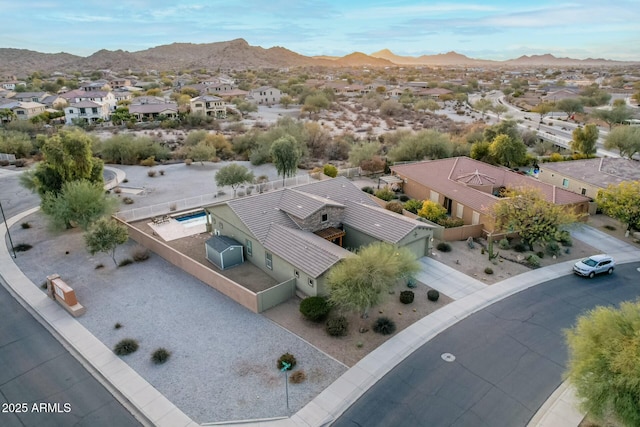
(469, 188)
(26, 110)
(588, 176)
(144, 112)
(88, 111)
(265, 95)
(209, 105)
(301, 232)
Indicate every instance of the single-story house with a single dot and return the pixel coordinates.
(588, 176)
(301, 232)
(469, 188)
(153, 111)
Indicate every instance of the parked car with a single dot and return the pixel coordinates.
(593, 265)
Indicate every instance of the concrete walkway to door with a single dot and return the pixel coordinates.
(447, 280)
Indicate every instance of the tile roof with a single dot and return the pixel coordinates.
(380, 223)
(153, 108)
(447, 176)
(86, 104)
(599, 172)
(302, 205)
(312, 254)
(261, 211)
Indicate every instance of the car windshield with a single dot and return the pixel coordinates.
(589, 262)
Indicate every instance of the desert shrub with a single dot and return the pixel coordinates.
(25, 225)
(444, 247)
(540, 254)
(337, 326)
(406, 297)
(125, 346)
(125, 262)
(449, 222)
(160, 356)
(533, 260)
(488, 270)
(609, 227)
(552, 248)
(149, 161)
(22, 247)
(503, 244)
(117, 190)
(433, 295)
(315, 308)
(330, 170)
(403, 198)
(413, 205)
(394, 207)
(432, 211)
(173, 207)
(127, 200)
(384, 326)
(564, 237)
(368, 190)
(151, 173)
(297, 377)
(99, 266)
(117, 325)
(4, 162)
(188, 162)
(411, 283)
(385, 194)
(19, 163)
(161, 171)
(140, 253)
(287, 358)
(520, 247)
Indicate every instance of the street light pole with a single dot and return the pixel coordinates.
(8, 233)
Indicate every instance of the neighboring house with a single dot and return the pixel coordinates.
(468, 188)
(587, 177)
(31, 96)
(147, 112)
(102, 97)
(209, 106)
(10, 85)
(122, 95)
(119, 83)
(88, 111)
(557, 95)
(265, 95)
(434, 93)
(301, 232)
(145, 99)
(27, 110)
(55, 101)
(97, 86)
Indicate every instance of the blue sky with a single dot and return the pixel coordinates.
(493, 29)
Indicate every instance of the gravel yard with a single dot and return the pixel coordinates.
(223, 357)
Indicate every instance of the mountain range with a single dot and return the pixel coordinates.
(238, 54)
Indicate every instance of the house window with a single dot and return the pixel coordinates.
(296, 273)
(249, 247)
(565, 182)
(475, 218)
(325, 217)
(584, 191)
(311, 283)
(459, 210)
(268, 260)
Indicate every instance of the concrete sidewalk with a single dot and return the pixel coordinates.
(152, 408)
(447, 280)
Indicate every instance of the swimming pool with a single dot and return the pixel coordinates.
(193, 219)
(191, 216)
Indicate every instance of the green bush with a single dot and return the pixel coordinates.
(126, 346)
(433, 295)
(394, 207)
(564, 237)
(406, 297)
(503, 244)
(488, 270)
(315, 308)
(22, 247)
(384, 326)
(287, 358)
(140, 253)
(385, 194)
(337, 326)
(149, 161)
(412, 283)
(330, 170)
(444, 247)
(449, 222)
(125, 262)
(533, 260)
(413, 205)
(520, 247)
(368, 190)
(540, 254)
(127, 200)
(25, 225)
(552, 248)
(160, 356)
(403, 198)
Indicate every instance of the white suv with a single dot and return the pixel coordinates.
(593, 265)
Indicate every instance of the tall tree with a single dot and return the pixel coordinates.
(604, 355)
(104, 236)
(617, 115)
(79, 202)
(585, 139)
(570, 106)
(626, 139)
(526, 212)
(483, 105)
(67, 157)
(508, 151)
(543, 109)
(360, 282)
(233, 175)
(285, 156)
(499, 109)
(622, 202)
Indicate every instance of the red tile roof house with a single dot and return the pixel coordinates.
(466, 187)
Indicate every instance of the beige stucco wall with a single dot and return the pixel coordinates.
(574, 185)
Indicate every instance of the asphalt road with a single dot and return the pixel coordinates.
(509, 358)
(41, 384)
